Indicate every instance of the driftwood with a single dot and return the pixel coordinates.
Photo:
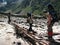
(29, 37)
(23, 33)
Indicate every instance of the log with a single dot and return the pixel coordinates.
(29, 37)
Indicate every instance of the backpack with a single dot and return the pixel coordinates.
(29, 20)
(54, 15)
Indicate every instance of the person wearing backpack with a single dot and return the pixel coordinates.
(52, 18)
(30, 21)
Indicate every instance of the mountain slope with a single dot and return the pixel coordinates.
(37, 6)
(11, 4)
(34, 6)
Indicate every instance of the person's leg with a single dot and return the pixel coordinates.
(30, 28)
(50, 31)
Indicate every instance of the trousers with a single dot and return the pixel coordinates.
(50, 30)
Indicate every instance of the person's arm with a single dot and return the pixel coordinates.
(49, 18)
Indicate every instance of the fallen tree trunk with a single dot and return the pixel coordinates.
(29, 37)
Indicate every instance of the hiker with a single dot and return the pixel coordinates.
(52, 18)
(30, 21)
(9, 20)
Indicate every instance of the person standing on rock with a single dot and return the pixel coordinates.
(9, 20)
(52, 18)
(30, 21)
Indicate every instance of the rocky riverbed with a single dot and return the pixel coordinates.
(7, 33)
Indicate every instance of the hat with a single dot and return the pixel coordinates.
(50, 6)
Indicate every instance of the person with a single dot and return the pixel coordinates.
(30, 21)
(52, 18)
(9, 20)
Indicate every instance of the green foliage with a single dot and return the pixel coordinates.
(28, 9)
(34, 6)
